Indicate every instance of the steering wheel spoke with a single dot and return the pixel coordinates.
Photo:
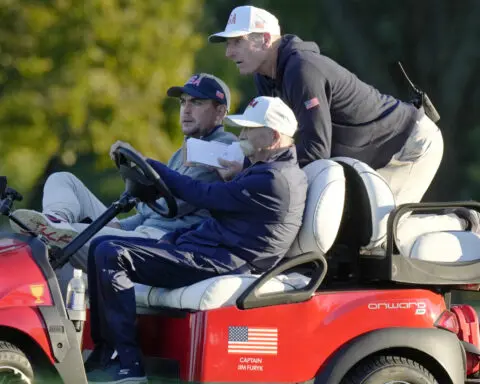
(144, 183)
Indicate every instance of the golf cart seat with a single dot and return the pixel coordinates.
(321, 221)
(412, 243)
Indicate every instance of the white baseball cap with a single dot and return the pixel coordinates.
(265, 111)
(245, 20)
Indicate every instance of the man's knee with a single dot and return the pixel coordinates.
(61, 178)
(96, 241)
(113, 266)
(107, 254)
(104, 242)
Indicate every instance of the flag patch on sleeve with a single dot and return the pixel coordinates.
(309, 104)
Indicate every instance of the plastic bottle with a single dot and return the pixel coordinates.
(75, 301)
(76, 292)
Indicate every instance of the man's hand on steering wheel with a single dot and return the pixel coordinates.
(141, 180)
(123, 144)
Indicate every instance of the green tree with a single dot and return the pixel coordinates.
(77, 75)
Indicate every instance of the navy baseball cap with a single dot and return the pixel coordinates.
(204, 86)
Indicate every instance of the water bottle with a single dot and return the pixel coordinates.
(75, 301)
(76, 292)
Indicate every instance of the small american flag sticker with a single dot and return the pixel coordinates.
(220, 95)
(309, 104)
(252, 341)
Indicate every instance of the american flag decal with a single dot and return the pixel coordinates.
(309, 104)
(252, 341)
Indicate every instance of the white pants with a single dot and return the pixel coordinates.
(65, 194)
(411, 170)
(409, 174)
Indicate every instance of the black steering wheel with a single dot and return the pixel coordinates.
(143, 182)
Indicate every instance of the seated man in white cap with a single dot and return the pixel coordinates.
(255, 218)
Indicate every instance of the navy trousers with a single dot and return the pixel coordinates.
(114, 264)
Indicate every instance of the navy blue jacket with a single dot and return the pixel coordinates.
(338, 114)
(255, 217)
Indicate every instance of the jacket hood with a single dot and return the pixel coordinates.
(291, 45)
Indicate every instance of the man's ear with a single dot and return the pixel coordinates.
(275, 137)
(267, 40)
(221, 111)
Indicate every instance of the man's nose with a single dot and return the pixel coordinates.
(187, 108)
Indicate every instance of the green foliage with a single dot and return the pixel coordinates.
(77, 75)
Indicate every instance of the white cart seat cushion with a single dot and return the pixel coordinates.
(216, 292)
(412, 227)
(323, 208)
(380, 198)
(447, 247)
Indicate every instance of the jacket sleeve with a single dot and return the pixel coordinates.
(202, 173)
(233, 196)
(197, 173)
(308, 93)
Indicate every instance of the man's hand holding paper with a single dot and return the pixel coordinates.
(208, 152)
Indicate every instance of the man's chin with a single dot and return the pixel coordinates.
(245, 71)
(189, 131)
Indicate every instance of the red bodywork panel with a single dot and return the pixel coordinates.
(23, 288)
(287, 343)
(28, 321)
(23, 283)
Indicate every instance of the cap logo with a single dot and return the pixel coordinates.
(220, 95)
(194, 80)
(232, 19)
(259, 22)
(253, 103)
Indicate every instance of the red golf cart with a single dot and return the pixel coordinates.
(362, 297)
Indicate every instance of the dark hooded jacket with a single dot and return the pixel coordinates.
(338, 114)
